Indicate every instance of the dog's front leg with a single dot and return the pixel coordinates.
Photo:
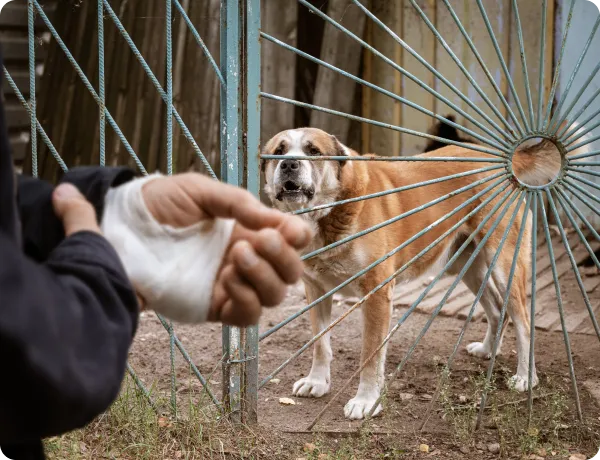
(377, 312)
(317, 383)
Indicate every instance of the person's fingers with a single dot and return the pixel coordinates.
(229, 202)
(243, 308)
(296, 231)
(284, 259)
(259, 274)
(76, 213)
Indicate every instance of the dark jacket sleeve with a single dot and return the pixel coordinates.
(67, 316)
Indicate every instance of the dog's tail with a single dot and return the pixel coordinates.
(537, 163)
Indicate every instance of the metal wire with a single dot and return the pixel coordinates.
(101, 83)
(32, 89)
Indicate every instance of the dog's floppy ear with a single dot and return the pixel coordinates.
(339, 150)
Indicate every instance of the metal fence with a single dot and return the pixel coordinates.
(501, 122)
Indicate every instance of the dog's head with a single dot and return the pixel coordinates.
(293, 184)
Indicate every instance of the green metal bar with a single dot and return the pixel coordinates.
(415, 304)
(459, 63)
(563, 235)
(576, 208)
(524, 63)
(385, 92)
(399, 217)
(396, 190)
(88, 85)
(252, 149)
(583, 155)
(199, 40)
(142, 388)
(511, 278)
(567, 203)
(584, 181)
(584, 171)
(387, 256)
(380, 124)
(39, 127)
(487, 72)
(407, 74)
(556, 119)
(415, 158)
(560, 305)
(32, 88)
(586, 193)
(231, 173)
(583, 143)
(511, 85)
(534, 249)
(159, 88)
(443, 301)
(169, 327)
(561, 132)
(538, 123)
(580, 164)
(101, 83)
(583, 131)
(556, 78)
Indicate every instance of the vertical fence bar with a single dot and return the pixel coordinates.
(32, 98)
(101, 82)
(251, 103)
(169, 121)
(231, 147)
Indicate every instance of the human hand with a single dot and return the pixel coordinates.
(261, 259)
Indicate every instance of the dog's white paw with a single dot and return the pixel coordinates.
(359, 406)
(521, 384)
(311, 387)
(480, 350)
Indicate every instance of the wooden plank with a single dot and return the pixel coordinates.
(382, 108)
(16, 116)
(419, 37)
(17, 49)
(498, 13)
(333, 90)
(14, 14)
(443, 62)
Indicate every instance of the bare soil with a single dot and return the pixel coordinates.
(396, 434)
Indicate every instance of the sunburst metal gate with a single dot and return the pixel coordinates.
(570, 198)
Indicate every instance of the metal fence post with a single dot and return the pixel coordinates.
(240, 131)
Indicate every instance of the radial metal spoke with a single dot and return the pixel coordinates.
(396, 250)
(511, 85)
(538, 123)
(534, 249)
(400, 216)
(581, 156)
(563, 235)
(579, 164)
(584, 181)
(569, 126)
(200, 42)
(556, 77)
(498, 337)
(396, 190)
(576, 208)
(442, 302)
(418, 301)
(584, 171)
(560, 303)
(382, 125)
(583, 143)
(487, 72)
(585, 192)
(407, 74)
(583, 131)
(159, 88)
(524, 63)
(557, 118)
(459, 63)
(566, 203)
(39, 127)
(381, 90)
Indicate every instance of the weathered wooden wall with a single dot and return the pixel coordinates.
(403, 19)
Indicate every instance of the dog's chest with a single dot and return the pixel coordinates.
(330, 272)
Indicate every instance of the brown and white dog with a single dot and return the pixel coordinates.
(293, 185)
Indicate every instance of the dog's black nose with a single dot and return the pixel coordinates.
(289, 166)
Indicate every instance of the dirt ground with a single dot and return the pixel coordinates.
(410, 394)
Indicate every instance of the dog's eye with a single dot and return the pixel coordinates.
(314, 151)
(279, 150)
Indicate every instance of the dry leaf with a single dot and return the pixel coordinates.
(424, 448)
(287, 401)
